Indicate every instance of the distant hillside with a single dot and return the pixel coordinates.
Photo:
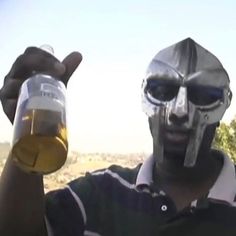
(78, 164)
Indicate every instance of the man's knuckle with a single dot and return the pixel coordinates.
(30, 50)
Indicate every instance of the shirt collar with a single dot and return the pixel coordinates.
(224, 188)
(144, 176)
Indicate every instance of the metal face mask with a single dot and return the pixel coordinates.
(185, 89)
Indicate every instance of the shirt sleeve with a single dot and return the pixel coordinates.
(66, 209)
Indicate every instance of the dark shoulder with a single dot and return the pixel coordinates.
(117, 172)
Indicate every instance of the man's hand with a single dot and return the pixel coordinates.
(34, 60)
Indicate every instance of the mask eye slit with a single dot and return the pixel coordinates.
(203, 96)
(161, 90)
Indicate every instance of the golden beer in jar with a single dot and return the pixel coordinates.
(40, 134)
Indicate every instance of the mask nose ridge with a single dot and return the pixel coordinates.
(179, 109)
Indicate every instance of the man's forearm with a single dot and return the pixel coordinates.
(21, 202)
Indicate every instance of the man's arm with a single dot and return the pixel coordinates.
(22, 194)
(21, 202)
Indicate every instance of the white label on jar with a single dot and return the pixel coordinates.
(44, 103)
(49, 90)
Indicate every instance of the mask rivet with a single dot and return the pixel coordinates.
(206, 117)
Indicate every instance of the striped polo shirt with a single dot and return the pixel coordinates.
(120, 201)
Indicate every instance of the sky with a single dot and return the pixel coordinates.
(117, 39)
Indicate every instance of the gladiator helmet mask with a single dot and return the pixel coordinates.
(185, 88)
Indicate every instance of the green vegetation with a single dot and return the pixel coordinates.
(225, 138)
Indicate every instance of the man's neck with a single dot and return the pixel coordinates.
(207, 167)
(184, 184)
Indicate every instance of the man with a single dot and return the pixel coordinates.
(183, 188)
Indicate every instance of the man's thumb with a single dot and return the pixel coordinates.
(71, 62)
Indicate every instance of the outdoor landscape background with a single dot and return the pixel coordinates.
(117, 39)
